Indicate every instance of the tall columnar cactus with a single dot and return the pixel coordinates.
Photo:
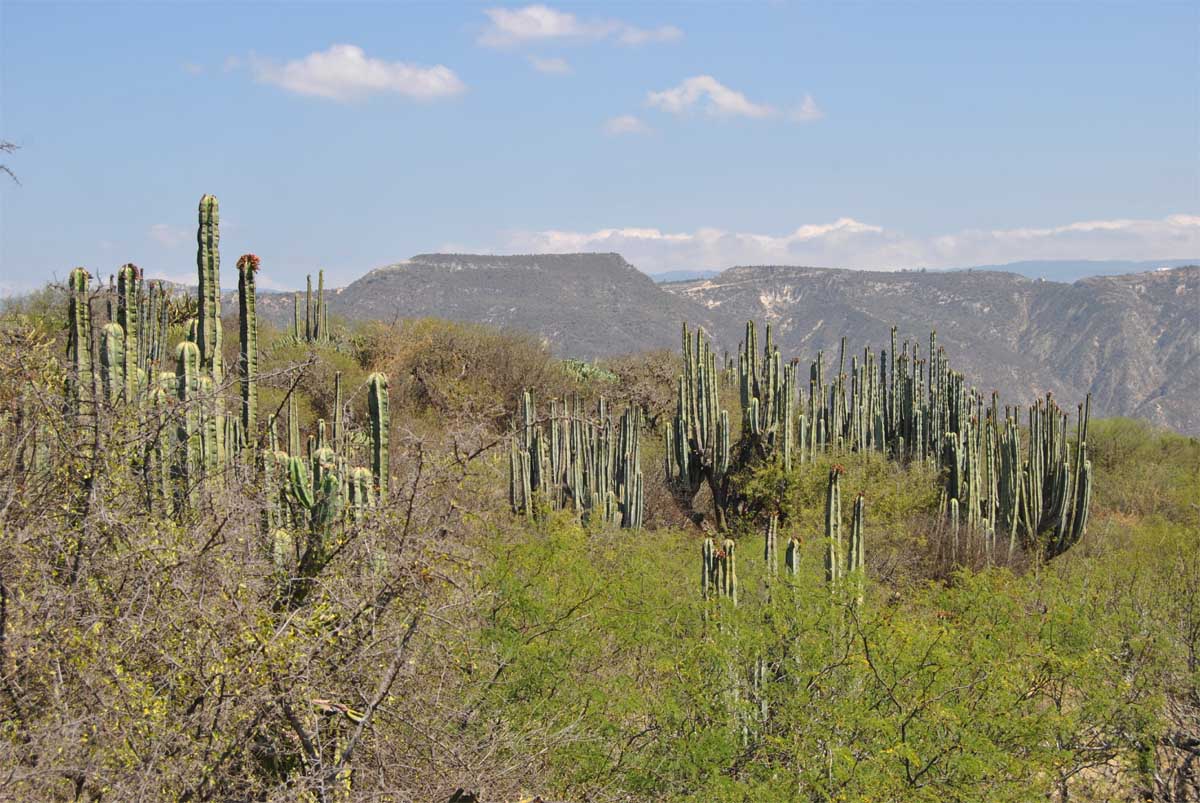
(833, 527)
(718, 571)
(319, 321)
(856, 564)
(208, 264)
(339, 434)
(112, 361)
(377, 402)
(248, 315)
(128, 309)
(698, 444)
(791, 558)
(727, 580)
(586, 464)
(768, 388)
(189, 460)
(293, 425)
(771, 547)
(79, 343)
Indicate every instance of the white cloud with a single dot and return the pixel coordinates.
(807, 111)
(510, 27)
(191, 68)
(552, 66)
(625, 124)
(345, 72)
(849, 243)
(171, 236)
(632, 35)
(716, 98)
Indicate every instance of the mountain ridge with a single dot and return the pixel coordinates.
(1131, 340)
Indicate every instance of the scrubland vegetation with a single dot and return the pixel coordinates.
(389, 613)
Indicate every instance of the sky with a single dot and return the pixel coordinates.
(683, 135)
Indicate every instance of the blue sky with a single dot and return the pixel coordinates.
(684, 135)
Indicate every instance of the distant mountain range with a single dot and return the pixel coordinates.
(1132, 341)
(1070, 270)
(683, 275)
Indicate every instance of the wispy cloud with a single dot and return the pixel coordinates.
(170, 236)
(191, 68)
(625, 124)
(551, 66)
(850, 243)
(509, 27)
(711, 95)
(345, 73)
(708, 95)
(807, 111)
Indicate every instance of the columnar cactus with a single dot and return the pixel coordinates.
(377, 402)
(208, 264)
(112, 361)
(698, 444)
(587, 464)
(79, 343)
(189, 461)
(855, 561)
(248, 316)
(833, 527)
(128, 317)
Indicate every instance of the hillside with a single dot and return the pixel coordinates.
(585, 305)
(1129, 340)
(1132, 341)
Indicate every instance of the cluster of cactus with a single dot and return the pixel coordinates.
(843, 563)
(578, 463)
(190, 440)
(316, 313)
(896, 402)
(311, 494)
(768, 395)
(131, 344)
(698, 442)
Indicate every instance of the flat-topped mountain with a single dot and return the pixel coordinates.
(585, 305)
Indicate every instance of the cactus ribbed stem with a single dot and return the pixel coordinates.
(833, 528)
(248, 316)
(208, 264)
(377, 400)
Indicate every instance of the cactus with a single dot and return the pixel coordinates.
(79, 343)
(248, 370)
(698, 445)
(319, 321)
(208, 264)
(791, 558)
(128, 303)
(727, 582)
(188, 453)
(587, 464)
(377, 400)
(833, 527)
(112, 361)
(856, 566)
